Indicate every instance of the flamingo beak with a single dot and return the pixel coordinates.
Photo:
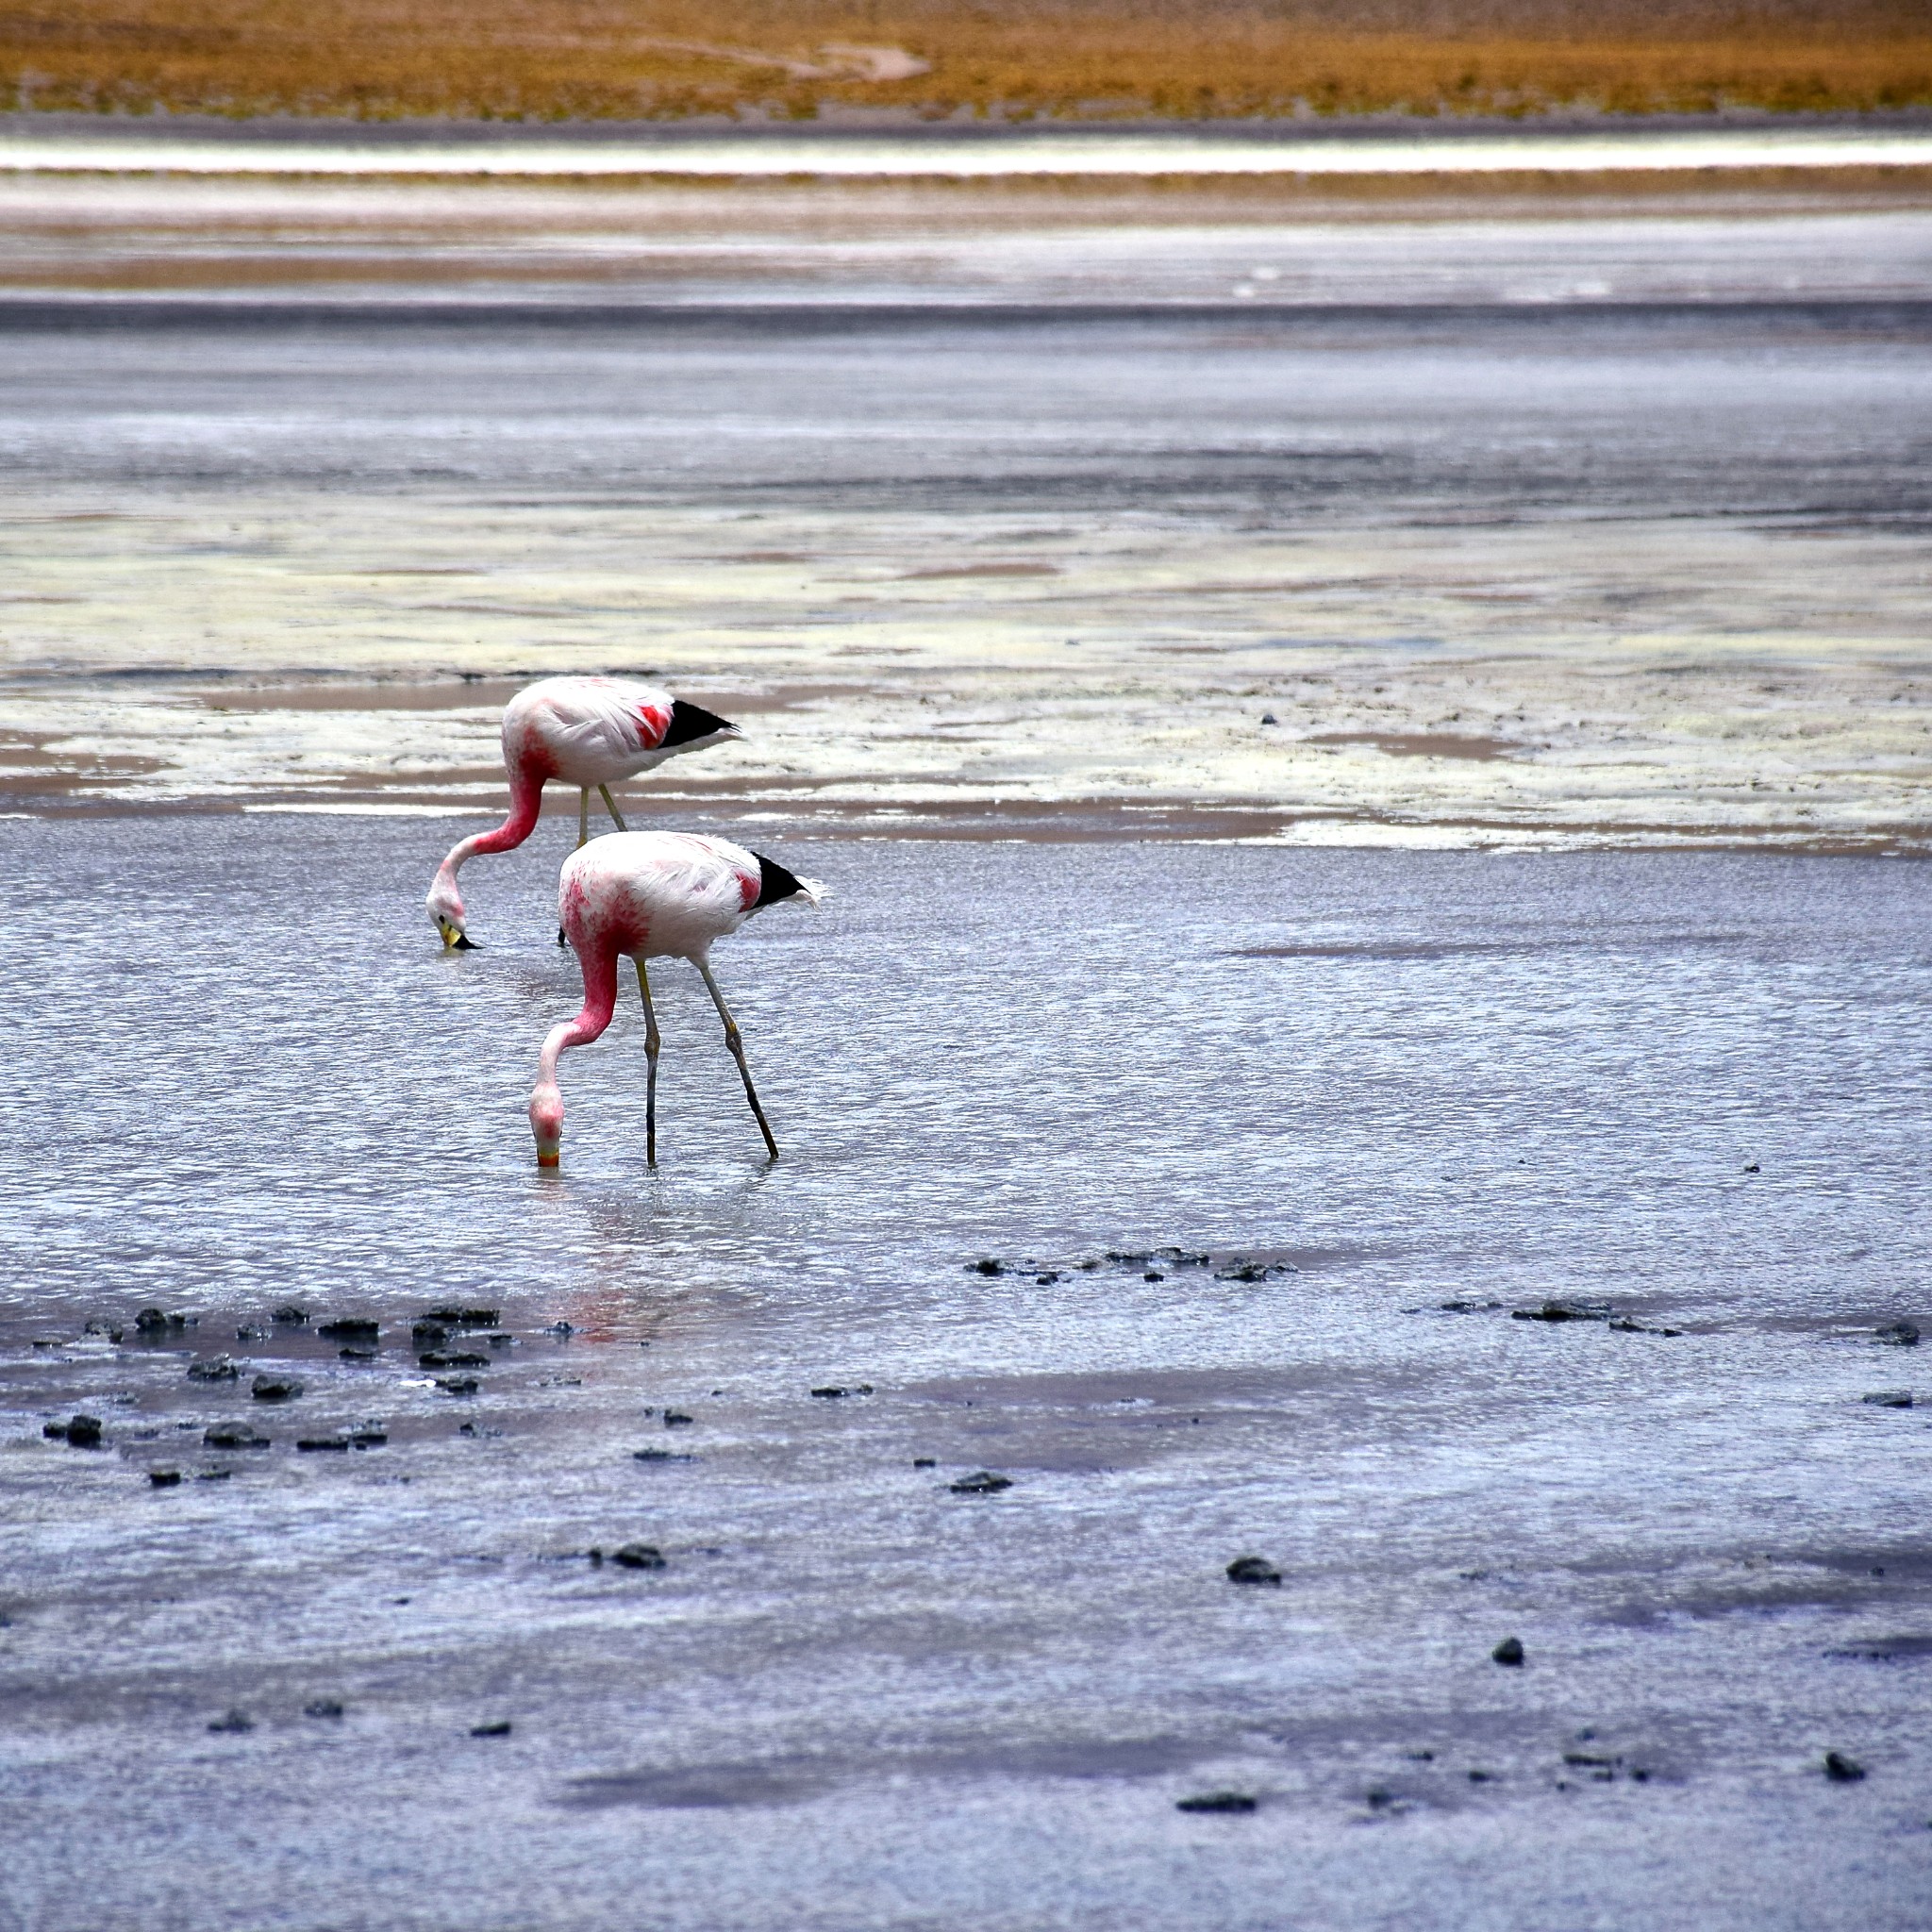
(454, 940)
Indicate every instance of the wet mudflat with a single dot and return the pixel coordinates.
(1196, 1191)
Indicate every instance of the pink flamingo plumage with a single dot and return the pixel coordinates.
(649, 895)
(583, 731)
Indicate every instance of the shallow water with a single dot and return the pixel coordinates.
(855, 1698)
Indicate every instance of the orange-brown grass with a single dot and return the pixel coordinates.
(550, 59)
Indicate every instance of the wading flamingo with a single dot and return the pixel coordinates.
(651, 895)
(584, 731)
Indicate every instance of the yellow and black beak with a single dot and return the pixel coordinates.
(454, 940)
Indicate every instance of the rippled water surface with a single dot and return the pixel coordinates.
(1690, 1089)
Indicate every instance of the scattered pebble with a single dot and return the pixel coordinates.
(982, 1483)
(313, 1443)
(1563, 1311)
(1509, 1651)
(464, 1318)
(233, 1721)
(1217, 1801)
(213, 1369)
(368, 1439)
(249, 1332)
(1481, 1778)
(1154, 1275)
(429, 1333)
(1899, 1335)
(676, 1419)
(290, 1315)
(830, 1393)
(1841, 1770)
(926, 1462)
(458, 1385)
(350, 1328)
(661, 1456)
(275, 1388)
(151, 1321)
(1888, 1398)
(499, 1729)
(562, 1330)
(359, 1354)
(164, 1478)
(438, 1358)
(1252, 1570)
(220, 1475)
(322, 1706)
(84, 1432)
(500, 1340)
(233, 1436)
(1269, 718)
(639, 1557)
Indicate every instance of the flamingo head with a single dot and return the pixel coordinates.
(446, 909)
(547, 1123)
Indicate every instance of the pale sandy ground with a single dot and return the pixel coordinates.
(202, 531)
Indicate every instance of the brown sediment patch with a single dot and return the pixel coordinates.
(1422, 744)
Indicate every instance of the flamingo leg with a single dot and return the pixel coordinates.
(609, 806)
(735, 1043)
(652, 1040)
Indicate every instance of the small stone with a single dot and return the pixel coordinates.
(1563, 1311)
(989, 1266)
(676, 1419)
(315, 1443)
(1899, 1335)
(1752, 1167)
(233, 1436)
(562, 1330)
(213, 1369)
(322, 1706)
(275, 1388)
(982, 1483)
(830, 1393)
(84, 1432)
(151, 1321)
(368, 1439)
(290, 1315)
(1841, 1770)
(1509, 1651)
(926, 1462)
(1269, 718)
(1225, 1801)
(358, 1329)
(439, 1358)
(499, 1729)
(458, 1385)
(165, 1479)
(659, 1456)
(1480, 1777)
(639, 1557)
(55, 1432)
(359, 1354)
(248, 1332)
(215, 1476)
(233, 1721)
(429, 1333)
(1888, 1398)
(501, 1341)
(1252, 1570)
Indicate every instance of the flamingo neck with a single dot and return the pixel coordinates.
(600, 1002)
(526, 801)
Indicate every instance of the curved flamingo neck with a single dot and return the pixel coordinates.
(525, 801)
(600, 1002)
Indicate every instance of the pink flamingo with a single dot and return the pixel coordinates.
(585, 731)
(651, 895)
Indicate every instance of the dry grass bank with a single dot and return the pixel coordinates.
(625, 59)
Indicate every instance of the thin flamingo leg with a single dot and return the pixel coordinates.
(735, 1043)
(610, 806)
(653, 1040)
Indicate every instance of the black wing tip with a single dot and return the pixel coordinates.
(774, 882)
(690, 723)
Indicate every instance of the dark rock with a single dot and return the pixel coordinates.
(501, 1341)
(499, 1729)
(1888, 1398)
(368, 1439)
(358, 1328)
(84, 1432)
(275, 1388)
(151, 1321)
(359, 1354)
(1269, 718)
(639, 1557)
(249, 1332)
(926, 1462)
(313, 1443)
(219, 1475)
(464, 1318)
(322, 1706)
(1480, 1777)
(165, 1479)
(233, 1436)
(562, 1330)
(989, 1266)
(429, 1333)
(676, 1419)
(1563, 1311)
(830, 1393)
(55, 1432)
(1379, 1798)
(1509, 1651)
(1752, 1167)
(439, 1358)
(458, 1385)
(233, 1721)
(982, 1483)
(1045, 1280)
(659, 1456)
(1154, 1275)
(1226, 1802)
(1252, 1570)
(290, 1315)
(214, 1369)
(1841, 1770)
(1899, 1335)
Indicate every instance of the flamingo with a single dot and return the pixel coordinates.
(586, 731)
(651, 895)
